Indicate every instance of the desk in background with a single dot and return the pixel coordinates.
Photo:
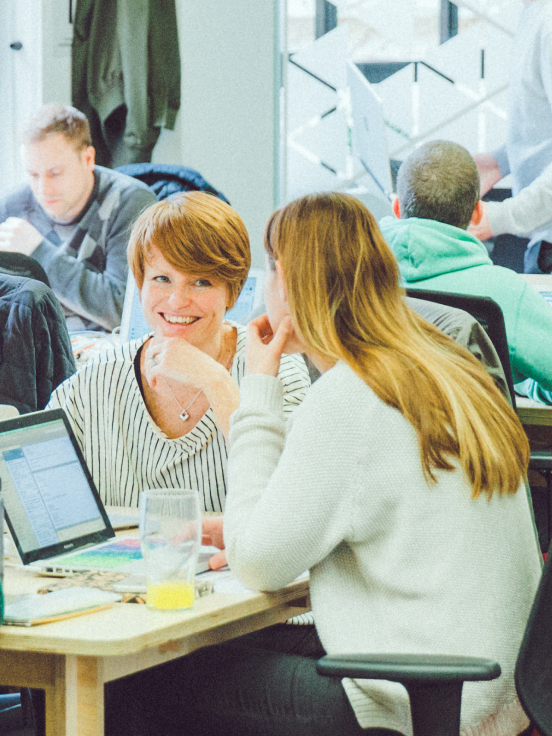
(537, 418)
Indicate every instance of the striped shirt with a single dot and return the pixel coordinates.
(126, 451)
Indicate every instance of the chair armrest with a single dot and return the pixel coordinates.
(408, 668)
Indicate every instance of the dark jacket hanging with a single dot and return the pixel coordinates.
(126, 75)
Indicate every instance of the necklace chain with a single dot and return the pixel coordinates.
(183, 411)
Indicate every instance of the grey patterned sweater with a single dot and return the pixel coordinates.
(85, 259)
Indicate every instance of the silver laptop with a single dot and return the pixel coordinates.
(55, 515)
(369, 141)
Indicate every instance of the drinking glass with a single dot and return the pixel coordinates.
(170, 537)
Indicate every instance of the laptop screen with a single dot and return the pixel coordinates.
(50, 500)
(369, 141)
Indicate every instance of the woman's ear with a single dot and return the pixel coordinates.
(281, 283)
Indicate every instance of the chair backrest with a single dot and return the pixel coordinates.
(489, 315)
(533, 674)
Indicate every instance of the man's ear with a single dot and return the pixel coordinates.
(477, 214)
(397, 208)
(281, 283)
(89, 155)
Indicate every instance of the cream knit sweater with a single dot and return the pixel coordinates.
(396, 565)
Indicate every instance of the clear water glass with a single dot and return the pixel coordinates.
(170, 537)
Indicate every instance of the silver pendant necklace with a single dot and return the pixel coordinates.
(183, 411)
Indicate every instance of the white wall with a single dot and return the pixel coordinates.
(227, 125)
(228, 117)
(56, 51)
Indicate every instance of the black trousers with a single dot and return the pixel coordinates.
(262, 684)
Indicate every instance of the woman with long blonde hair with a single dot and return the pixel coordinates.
(400, 486)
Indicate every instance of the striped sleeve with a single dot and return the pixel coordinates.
(294, 375)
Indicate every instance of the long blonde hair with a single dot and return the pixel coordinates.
(346, 304)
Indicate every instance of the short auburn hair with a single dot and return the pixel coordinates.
(55, 118)
(196, 233)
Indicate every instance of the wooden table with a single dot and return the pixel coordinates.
(531, 413)
(72, 659)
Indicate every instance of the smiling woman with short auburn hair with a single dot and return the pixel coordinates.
(153, 413)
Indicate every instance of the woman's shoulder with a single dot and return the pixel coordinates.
(119, 358)
(341, 387)
(125, 351)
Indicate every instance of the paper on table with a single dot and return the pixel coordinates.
(226, 582)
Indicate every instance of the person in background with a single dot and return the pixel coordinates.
(73, 217)
(527, 152)
(154, 413)
(437, 198)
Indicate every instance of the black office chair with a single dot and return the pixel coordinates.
(489, 315)
(487, 312)
(434, 683)
(16, 714)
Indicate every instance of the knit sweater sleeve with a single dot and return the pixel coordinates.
(288, 506)
(531, 207)
(525, 212)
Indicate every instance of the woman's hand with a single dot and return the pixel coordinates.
(177, 360)
(212, 535)
(264, 347)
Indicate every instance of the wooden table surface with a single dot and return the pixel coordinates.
(72, 659)
(532, 413)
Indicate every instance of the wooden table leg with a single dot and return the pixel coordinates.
(55, 697)
(90, 697)
(75, 701)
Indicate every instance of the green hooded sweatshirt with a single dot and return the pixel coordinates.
(441, 257)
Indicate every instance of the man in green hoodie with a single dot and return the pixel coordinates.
(438, 198)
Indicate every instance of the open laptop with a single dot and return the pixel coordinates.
(369, 140)
(55, 515)
(133, 322)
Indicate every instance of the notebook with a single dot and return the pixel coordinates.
(55, 515)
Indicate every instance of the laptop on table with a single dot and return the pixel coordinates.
(53, 510)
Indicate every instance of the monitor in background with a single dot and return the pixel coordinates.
(369, 142)
(134, 325)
